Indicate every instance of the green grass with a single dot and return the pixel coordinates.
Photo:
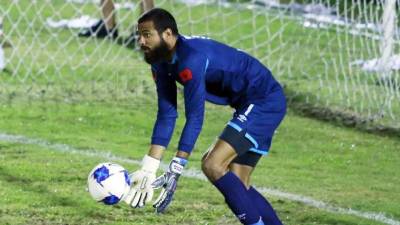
(54, 193)
(339, 166)
(94, 94)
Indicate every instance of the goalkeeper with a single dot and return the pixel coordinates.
(208, 70)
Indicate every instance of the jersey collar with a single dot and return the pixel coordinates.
(174, 58)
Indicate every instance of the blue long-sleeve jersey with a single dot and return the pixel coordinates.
(208, 70)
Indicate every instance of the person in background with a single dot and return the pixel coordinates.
(107, 26)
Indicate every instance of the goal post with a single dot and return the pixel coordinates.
(336, 55)
(387, 43)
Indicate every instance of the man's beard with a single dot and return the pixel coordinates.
(159, 53)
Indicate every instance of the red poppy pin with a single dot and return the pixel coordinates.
(185, 75)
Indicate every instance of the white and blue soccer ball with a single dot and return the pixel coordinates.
(108, 183)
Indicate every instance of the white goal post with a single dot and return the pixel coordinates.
(335, 54)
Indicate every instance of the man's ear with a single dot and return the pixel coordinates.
(167, 34)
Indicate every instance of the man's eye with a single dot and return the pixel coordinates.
(146, 35)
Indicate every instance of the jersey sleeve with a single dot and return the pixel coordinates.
(192, 76)
(167, 108)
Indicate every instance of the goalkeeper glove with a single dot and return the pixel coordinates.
(168, 183)
(141, 191)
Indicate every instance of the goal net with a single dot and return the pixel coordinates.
(336, 56)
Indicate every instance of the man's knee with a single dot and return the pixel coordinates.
(203, 158)
(213, 170)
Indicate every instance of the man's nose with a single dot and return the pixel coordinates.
(141, 40)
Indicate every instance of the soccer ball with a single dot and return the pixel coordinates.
(108, 183)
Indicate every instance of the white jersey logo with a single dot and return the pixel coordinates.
(242, 118)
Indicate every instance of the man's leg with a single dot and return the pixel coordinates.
(108, 11)
(215, 166)
(265, 209)
(146, 5)
(105, 27)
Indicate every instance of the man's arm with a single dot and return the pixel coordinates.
(156, 151)
(193, 78)
(141, 190)
(167, 108)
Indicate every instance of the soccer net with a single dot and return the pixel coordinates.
(334, 55)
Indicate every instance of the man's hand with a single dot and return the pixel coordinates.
(168, 182)
(141, 191)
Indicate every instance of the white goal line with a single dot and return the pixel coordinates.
(196, 174)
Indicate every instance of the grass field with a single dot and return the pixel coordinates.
(67, 108)
(41, 185)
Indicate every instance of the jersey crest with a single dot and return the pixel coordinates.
(185, 75)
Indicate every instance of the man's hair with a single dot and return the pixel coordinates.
(162, 20)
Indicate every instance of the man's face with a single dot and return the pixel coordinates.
(151, 43)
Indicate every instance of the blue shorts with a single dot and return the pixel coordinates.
(257, 121)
